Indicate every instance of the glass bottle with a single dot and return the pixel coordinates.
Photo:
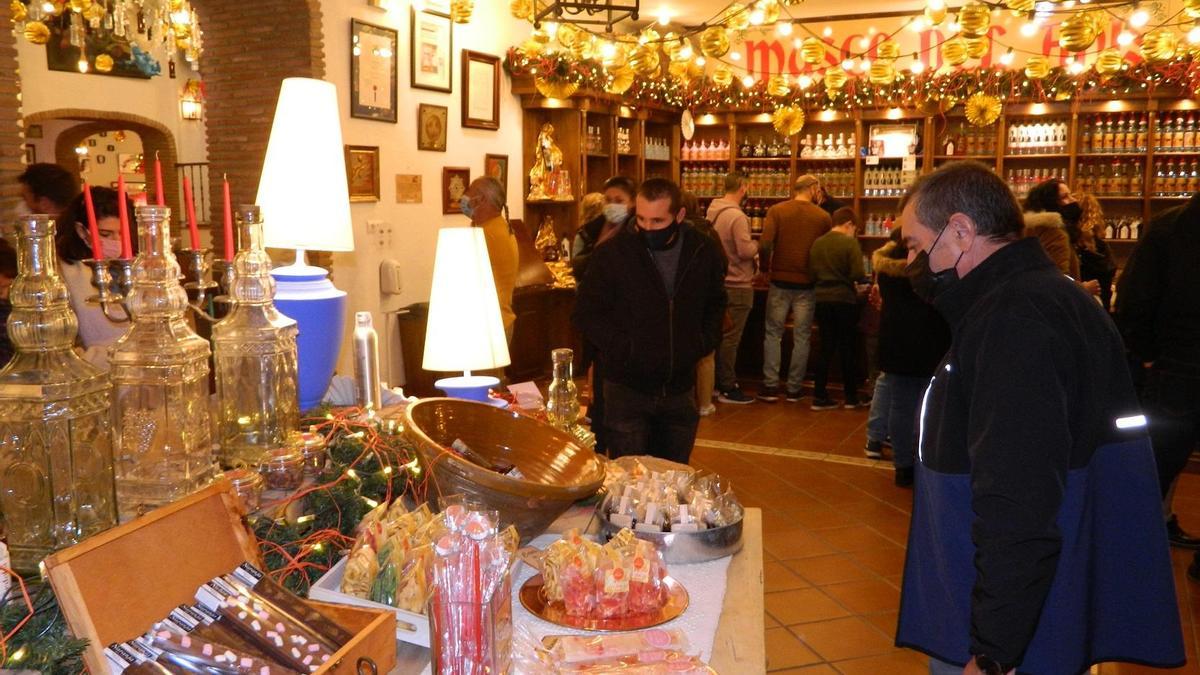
(162, 443)
(562, 408)
(254, 350)
(56, 472)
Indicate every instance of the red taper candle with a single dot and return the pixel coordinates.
(191, 214)
(123, 216)
(228, 221)
(160, 197)
(93, 230)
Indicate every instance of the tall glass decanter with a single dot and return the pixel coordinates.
(255, 355)
(56, 472)
(562, 408)
(162, 441)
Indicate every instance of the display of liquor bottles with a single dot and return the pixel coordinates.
(754, 145)
(56, 472)
(1177, 132)
(254, 352)
(1122, 228)
(624, 146)
(827, 147)
(706, 180)
(162, 447)
(1037, 138)
(756, 211)
(886, 182)
(703, 151)
(562, 404)
(837, 179)
(1176, 177)
(968, 141)
(766, 182)
(1115, 178)
(657, 149)
(594, 143)
(1021, 181)
(879, 224)
(1104, 134)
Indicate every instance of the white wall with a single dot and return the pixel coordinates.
(492, 30)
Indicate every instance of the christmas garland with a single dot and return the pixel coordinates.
(370, 463)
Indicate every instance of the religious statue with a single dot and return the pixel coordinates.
(547, 167)
(547, 240)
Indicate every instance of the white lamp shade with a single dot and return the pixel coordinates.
(302, 193)
(465, 331)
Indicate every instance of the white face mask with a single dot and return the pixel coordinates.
(616, 213)
(110, 248)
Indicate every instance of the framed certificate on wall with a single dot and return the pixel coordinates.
(481, 90)
(431, 57)
(373, 71)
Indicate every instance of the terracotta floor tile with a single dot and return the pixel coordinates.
(852, 539)
(818, 669)
(802, 606)
(885, 621)
(785, 651)
(777, 577)
(797, 544)
(769, 621)
(823, 517)
(885, 560)
(828, 569)
(896, 663)
(865, 596)
(848, 638)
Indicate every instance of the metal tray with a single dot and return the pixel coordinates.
(534, 601)
(685, 547)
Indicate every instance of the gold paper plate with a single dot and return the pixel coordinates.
(554, 612)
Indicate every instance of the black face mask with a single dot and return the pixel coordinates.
(659, 240)
(1071, 213)
(926, 283)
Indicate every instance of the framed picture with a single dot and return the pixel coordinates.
(431, 57)
(481, 90)
(431, 127)
(100, 159)
(111, 148)
(362, 172)
(91, 142)
(439, 7)
(30, 153)
(33, 131)
(373, 71)
(455, 180)
(496, 166)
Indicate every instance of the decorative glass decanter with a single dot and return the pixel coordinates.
(162, 447)
(255, 355)
(562, 408)
(56, 472)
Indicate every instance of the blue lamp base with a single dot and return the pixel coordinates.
(306, 294)
(471, 388)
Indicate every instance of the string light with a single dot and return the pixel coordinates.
(1007, 58)
(757, 17)
(848, 64)
(700, 61)
(784, 28)
(865, 65)
(1193, 35)
(804, 81)
(735, 56)
(864, 42)
(1125, 38)
(748, 81)
(918, 66)
(1029, 28)
(827, 31)
(1139, 18)
(664, 16)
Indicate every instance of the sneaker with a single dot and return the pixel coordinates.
(874, 450)
(859, 403)
(769, 394)
(822, 403)
(1178, 537)
(707, 410)
(794, 396)
(904, 477)
(735, 396)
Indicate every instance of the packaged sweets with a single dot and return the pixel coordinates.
(648, 652)
(668, 501)
(621, 578)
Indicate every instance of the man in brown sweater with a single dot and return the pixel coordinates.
(790, 229)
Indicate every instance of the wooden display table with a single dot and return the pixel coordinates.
(740, 643)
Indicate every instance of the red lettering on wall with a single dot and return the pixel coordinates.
(764, 50)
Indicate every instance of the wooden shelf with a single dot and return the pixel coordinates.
(627, 154)
(1117, 198)
(1116, 155)
(761, 160)
(551, 201)
(976, 157)
(1122, 242)
(659, 161)
(825, 159)
(882, 197)
(599, 155)
(1057, 155)
(1175, 153)
(704, 161)
(1178, 198)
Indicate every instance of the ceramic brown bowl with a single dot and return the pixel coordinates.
(557, 471)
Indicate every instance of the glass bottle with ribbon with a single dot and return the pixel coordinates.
(56, 470)
(162, 440)
(562, 408)
(255, 356)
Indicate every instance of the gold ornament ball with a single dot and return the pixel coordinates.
(1037, 67)
(788, 120)
(1020, 6)
(18, 10)
(37, 32)
(975, 18)
(104, 63)
(714, 42)
(1109, 62)
(622, 80)
(935, 16)
(673, 46)
(584, 48)
(521, 9)
(722, 76)
(540, 36)
(778, 86)
(835, 79)
(887, 51)
(882, 73)
(982, 109)
(620, 57)
(812, 50)
(567, 35)
(1077, 32)
(649, 35)
(1192, 8)
(79, 6)
(770, 10)
(645, 60)
(954, 51)
(976, 47)
(737, 17)
(1159, 45)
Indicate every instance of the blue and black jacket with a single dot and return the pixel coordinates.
(1037, 533)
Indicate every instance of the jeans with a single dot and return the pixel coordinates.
(650, 424)
(939, 667)
(1171, 401)
(802, 305)
(838, 323)
(905, 393)
(877, 419)
(741, 300)
(704, 380)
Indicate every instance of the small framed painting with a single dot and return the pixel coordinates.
(439, 7)
(30, 153)
(431, 58)
(481, 90)
(455, 180)
(373, 71)
(431, 127)
(496, 166)
(362, 172)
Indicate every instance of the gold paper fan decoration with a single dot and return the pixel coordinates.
(714, 42)
(460, 10)
(770, 10)
(18, 11)
(567, 35)
(975, 18)
(540, 36)
(1037, 67)
(788, 120)
(1078, 32)
(584, 48)
(521, 9)
(722, 76)
(685, 71)
(887, 51)
(935, 16)
(556, 89)
(37, 32)
(976, 47)
(531, 48)
(1159, 45)
(1109, 62)
(78, 6)
(835, 79)
(737, 17)
(778, 86)
(882, 73)
(620, 57)
(982, 109)
(954, 51)
(673, 45)
(622, 80)
(812, 50)
(104, 63)
(1192, 8)
(648, 35)
(645, 60)
(1020, 6)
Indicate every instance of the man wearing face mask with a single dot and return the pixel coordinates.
(652, 301)
(619, 193)
(1037, 541)
(484, 204)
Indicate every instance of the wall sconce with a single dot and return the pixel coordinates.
(191, 101)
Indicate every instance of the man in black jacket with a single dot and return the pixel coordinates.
(652, 301)
(1037, 542)
(1158, 311)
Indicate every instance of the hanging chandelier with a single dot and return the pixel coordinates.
(605, 13)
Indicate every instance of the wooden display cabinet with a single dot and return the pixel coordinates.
(707, 158)
(660, 148)
(569, 133)
(629, 144)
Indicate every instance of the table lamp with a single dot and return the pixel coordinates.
(305, 204)
(465, 331)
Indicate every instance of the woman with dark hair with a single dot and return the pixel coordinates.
(96, 330)
(1050, 215)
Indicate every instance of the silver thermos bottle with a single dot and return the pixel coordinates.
(366, 362)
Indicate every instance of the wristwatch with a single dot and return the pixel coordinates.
(987, 665)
